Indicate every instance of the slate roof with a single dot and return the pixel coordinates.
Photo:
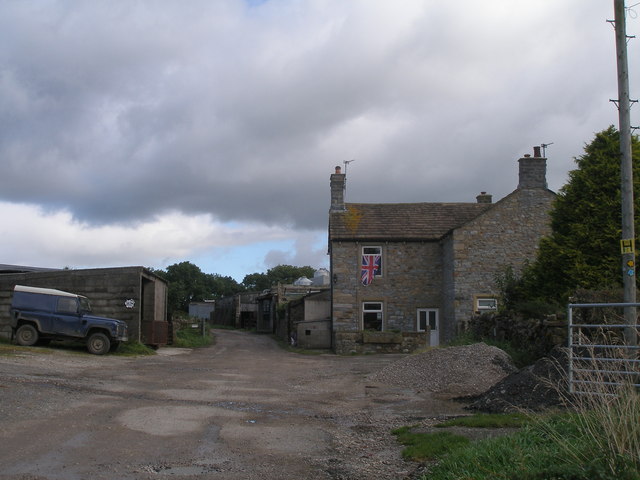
(401, 221)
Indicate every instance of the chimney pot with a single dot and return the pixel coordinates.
(484, 197)
(536, 152)
(338, 169)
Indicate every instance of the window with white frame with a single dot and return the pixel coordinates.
(372, 315)
(485, 303)
(427, 317)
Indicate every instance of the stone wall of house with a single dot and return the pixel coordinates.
(449, 299)
(507, 234)
(411, 279)
(346, 343)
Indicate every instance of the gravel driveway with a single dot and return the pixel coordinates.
(240, 409)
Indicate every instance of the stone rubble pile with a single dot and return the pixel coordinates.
(462, 371)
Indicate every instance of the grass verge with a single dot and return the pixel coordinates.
(133, 349)
(9, 349)
(533, 453)
(422, 447)
(563, 446)
(488, 420)
(78, 348)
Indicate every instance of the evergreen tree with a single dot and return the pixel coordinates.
(583, 250)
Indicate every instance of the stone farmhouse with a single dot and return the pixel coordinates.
(412, 274)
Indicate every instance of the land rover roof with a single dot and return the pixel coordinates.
(44, 291)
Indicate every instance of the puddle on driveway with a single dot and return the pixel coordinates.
(189, 470)
(172, 420)
(183, 470)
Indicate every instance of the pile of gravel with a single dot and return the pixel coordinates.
(467, 370)
(537, 387)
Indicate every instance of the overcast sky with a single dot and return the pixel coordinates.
(153, 132)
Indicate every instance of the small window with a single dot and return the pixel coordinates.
(486, 304)
(67, 305)
(372, 316)
(371, 264)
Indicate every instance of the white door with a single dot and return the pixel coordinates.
(428, 317)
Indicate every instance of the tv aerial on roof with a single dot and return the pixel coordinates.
(347, 162)
(544, 148)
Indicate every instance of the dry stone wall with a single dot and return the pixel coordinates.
(345, 343)
(537, 335)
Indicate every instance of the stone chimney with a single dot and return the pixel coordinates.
(337, 191)
(484, 197)
(533, 170)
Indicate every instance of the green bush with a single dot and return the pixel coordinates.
(536, 308)
(188, 337)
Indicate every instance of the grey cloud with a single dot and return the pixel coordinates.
(121, 113)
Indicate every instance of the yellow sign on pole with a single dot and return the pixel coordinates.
(628, 246)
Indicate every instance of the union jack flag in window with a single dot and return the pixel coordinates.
(370, 268)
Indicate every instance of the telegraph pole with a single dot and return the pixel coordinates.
(628, 230)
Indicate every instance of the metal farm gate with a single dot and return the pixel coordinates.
(600, 361)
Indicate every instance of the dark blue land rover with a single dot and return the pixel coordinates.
(39, 315)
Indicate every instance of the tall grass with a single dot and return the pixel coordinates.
(606, 405)
(597, 437)
(611, 425)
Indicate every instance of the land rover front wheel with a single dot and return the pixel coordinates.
(98, 344)
(26, 335)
